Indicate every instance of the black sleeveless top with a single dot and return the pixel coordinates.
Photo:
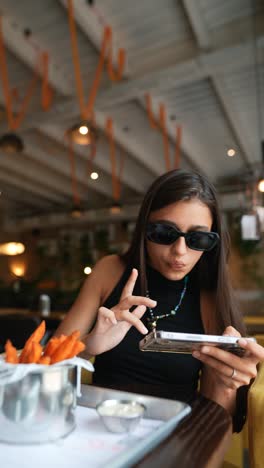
(166, 375)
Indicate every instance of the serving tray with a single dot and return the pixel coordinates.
(90, 444)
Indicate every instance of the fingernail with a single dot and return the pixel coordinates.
(145, 330)
(205, 349)
(242, 342)
(153, 302)
(196, 354)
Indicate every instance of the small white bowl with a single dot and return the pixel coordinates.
(120, 415)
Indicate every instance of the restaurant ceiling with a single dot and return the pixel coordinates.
(197, 57)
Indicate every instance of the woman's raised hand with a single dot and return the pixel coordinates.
(113, 324)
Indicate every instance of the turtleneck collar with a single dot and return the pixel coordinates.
(156, 278)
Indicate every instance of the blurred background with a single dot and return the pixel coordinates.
(97, 99)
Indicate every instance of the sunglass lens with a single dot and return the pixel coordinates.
(161, 234)
(202, 240)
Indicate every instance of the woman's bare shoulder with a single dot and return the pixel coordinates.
(109, 270)
(111, 263)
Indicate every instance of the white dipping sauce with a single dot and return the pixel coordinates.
(123, 410)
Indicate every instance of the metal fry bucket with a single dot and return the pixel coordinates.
(40, 407)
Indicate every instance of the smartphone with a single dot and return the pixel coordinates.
(170, 342)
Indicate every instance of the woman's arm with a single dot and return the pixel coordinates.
(106, 327)
(94, 291)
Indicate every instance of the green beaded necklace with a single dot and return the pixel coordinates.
(153, 319)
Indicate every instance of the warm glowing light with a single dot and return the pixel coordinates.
(18, 269)
(94, 175)
(87, 270)
(115, 208)
(231, 152)
(12, 248)
(83, 130)
(261, 185)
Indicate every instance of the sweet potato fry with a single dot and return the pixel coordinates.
(78, 348)
(35, 353)
(65, 348)
(23, 359)
(44, 360)
(57, 349)
(53, 345)
(38, 334)
(11, 353)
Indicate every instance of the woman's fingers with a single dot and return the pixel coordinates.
(108, 314)
(245, 365)
(131, 301)
(231, 331)
(130, 284)
(132, 318)
(253, 348)
(228, 373)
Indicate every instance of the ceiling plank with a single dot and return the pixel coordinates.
(224, 98)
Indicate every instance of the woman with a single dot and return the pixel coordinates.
(174, 276)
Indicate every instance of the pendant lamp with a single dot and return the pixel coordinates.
(83, 133)
(76, 211)
(115, 208)
(11, 143)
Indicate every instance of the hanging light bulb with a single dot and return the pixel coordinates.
(87, 270)
(231, 152)
(83, 133)
(94, 175)
(11, 143)
(12, 248)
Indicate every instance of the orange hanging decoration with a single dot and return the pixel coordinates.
(14, 121)
(152, 121)
(115, 76)
(75, 192)
(161, 125)
(105, 54)
(93, 148)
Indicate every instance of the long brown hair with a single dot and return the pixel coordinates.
(210, 272)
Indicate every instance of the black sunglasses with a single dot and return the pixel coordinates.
(166, 234)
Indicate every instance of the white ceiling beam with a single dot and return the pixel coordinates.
(193, 12)
(17, 42)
